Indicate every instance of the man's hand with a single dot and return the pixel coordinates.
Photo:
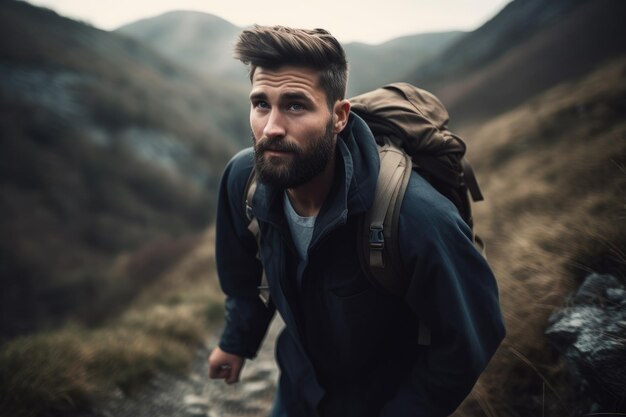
(224, 365)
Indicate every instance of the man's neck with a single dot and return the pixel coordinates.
(307, 199)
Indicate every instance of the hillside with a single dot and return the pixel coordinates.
(106, 147)
(553, 172)
(530, 46)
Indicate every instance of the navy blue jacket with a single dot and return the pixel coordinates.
(349, 348)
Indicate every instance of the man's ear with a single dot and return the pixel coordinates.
(341, 112)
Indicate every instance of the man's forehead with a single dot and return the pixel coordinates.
(287, 77)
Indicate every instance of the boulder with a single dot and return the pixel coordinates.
(591, 335)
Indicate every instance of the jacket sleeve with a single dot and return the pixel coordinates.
(246, 317)
(453, 290)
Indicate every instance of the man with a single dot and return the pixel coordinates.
(348, 348)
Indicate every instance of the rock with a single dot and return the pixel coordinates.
(255, 388)
(594, 289)
(591, 335)
(196, 405)
(196, 401)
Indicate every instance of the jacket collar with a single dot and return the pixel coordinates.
(354, 185)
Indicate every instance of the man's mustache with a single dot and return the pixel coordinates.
(277, 144)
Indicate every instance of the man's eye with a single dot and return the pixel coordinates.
(296, 107)
(260, 104)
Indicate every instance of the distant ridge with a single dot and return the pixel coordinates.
(200, 41)
(190, 16)
(514, 24)
(530, 46)
(204, 43)
(372, 66)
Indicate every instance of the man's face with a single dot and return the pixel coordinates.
(292, 127)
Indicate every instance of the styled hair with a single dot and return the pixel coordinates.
(274, 46)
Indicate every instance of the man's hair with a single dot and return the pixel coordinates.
(274, 46)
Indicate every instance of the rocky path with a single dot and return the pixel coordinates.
(195, 395)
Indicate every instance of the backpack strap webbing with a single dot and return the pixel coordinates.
(253, 227)
(470, 181)
(381, 254)
(382, 217)
(392, 169)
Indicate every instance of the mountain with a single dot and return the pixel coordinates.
(106, 147)
(204, 43)
(372, 66)
(199, 41)
(530, 46)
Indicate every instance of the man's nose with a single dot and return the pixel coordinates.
(275, 126)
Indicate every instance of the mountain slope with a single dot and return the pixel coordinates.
(553, 172)
(200, 41)
(372, 66)
(529, 47)
(106, 147)
(512, 26)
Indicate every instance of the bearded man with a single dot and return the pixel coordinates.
(348, 347)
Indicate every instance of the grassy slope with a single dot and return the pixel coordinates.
(554, 175)
(60, 372)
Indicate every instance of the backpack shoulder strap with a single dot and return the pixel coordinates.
(381, 220)
(253, 227)
(248, 194)
(380, 254)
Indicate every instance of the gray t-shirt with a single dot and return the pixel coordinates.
(301, 228)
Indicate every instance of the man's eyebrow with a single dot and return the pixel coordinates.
(286, 96)
(296, 95)
(258, 96)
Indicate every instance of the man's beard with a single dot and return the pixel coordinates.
(300, 167)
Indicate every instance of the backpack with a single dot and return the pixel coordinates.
(410, 128)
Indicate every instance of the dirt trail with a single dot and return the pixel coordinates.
(195, 395)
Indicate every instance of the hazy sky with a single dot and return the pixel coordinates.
(372, 21)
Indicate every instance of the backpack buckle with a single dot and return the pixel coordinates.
(264, 294)
(377, 239)
(249, 214)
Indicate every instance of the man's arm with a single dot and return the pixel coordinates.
(453, 290)
(247, 318)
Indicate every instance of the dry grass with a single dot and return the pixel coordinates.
(553, 172)
(62, 371)
(67, 369)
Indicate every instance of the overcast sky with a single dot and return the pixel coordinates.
(372, 21)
